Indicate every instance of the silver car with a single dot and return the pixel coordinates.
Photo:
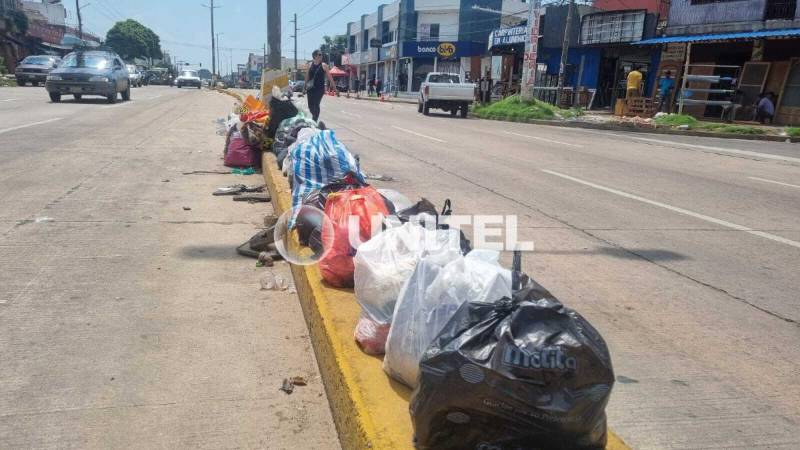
(34, 69)
(134, 75)
(90, 73)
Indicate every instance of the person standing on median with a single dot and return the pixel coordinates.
(315, 83)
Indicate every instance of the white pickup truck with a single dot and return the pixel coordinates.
(445, 91)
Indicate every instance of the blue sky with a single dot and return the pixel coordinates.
(185, 26)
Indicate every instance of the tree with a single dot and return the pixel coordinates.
(333, 48)
(130, 39)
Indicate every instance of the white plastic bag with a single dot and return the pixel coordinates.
(429, 300)
(384, 263)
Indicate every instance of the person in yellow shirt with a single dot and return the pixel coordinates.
(634, 84)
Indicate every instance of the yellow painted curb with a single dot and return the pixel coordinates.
(233, 94)
(370, 409)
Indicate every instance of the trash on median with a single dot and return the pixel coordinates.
(524, 372)
(431, 297)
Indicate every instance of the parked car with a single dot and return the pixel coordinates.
(92, 72)
(445, 91)
(34, 69)
(134, 75)
(188, 78)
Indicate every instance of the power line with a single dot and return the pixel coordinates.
(318, 24)
(311, 8)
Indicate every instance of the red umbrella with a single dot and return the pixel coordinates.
(337, 72)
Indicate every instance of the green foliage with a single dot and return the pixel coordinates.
(513, 108)
(731, 129)
(675, 120)
(3, 68)
(793, 131)
(130, 39)
(333, 48)
(17, 21)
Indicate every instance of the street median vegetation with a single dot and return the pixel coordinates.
(514, 109)
(683, 120)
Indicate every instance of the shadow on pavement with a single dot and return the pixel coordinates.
(651, 254)
(218, 252)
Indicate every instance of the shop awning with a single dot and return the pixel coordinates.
(337, 72)
(722, 36)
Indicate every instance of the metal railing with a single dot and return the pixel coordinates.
(780, 9)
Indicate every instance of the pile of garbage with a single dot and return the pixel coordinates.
(493, 358)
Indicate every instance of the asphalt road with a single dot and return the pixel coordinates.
(683, 252)
(127, 320)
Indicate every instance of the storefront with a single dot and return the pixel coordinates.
(418, 59)
(734, 68)
(507, 49)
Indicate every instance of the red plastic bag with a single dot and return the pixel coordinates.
(239, 153)
(364, 203)
(371, 336)
(254, 116)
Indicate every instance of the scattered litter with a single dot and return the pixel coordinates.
(186, 208)
(378, 177)
(252, 198)
(44, 219)
(683, 127)
(165, 180)
(245, 171)
(230, 190)
(265, 259)
(272, 282)
(298, 381)
(206, 172)
(287, 386)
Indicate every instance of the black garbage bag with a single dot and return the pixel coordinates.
(279, 111)
(525, 373)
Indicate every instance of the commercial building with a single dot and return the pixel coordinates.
(731, 51)
(401, 42)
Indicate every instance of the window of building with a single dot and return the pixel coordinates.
(386, 34)
(791, 92)
(365, 42)
(434, 34)
(351, 45)
(616, 27)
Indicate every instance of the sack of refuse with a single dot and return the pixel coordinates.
(424, 213)
(316, 163)
(280, 110)
(239, 153)
(429, 300)
(309, 219)
(363, 208)
(371, 335)
(525, 372)
(385, 262)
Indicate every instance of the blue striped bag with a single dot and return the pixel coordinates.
(316, 163)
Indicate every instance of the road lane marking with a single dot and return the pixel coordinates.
(118, 105)
(678, 210)
(6, 130)
(418, 134)
(774, 182)
(710, 148)
(351, 114)
(8, 100)
(544, 139)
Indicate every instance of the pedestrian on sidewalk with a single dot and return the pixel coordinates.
(378, 87)
(765, 109)
(315, 83)
(634, 83)
(665, 86)
(371, 87)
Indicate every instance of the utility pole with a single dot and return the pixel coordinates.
(564, 52)
(218, 58)
(80, 20)
(274, 33)
(295, 46)
(531, 50)
(213, 39)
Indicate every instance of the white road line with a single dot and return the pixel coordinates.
(118, 105)
(710, 148)
(351, 114)
(685, 212)
(544, 139)
(418, 134)
(774, 182)
(6, 130)
(8, 100)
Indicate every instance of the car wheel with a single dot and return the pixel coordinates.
(34, 83)
(179, 86)
(77, 97)
(126, 94)
(112, 98)
(464, 110)
(55, 97)
(419, 106)
(21, 82)
(426, 109)
(199, 87)
(454, 111)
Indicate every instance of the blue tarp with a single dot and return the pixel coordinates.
(721, 37)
